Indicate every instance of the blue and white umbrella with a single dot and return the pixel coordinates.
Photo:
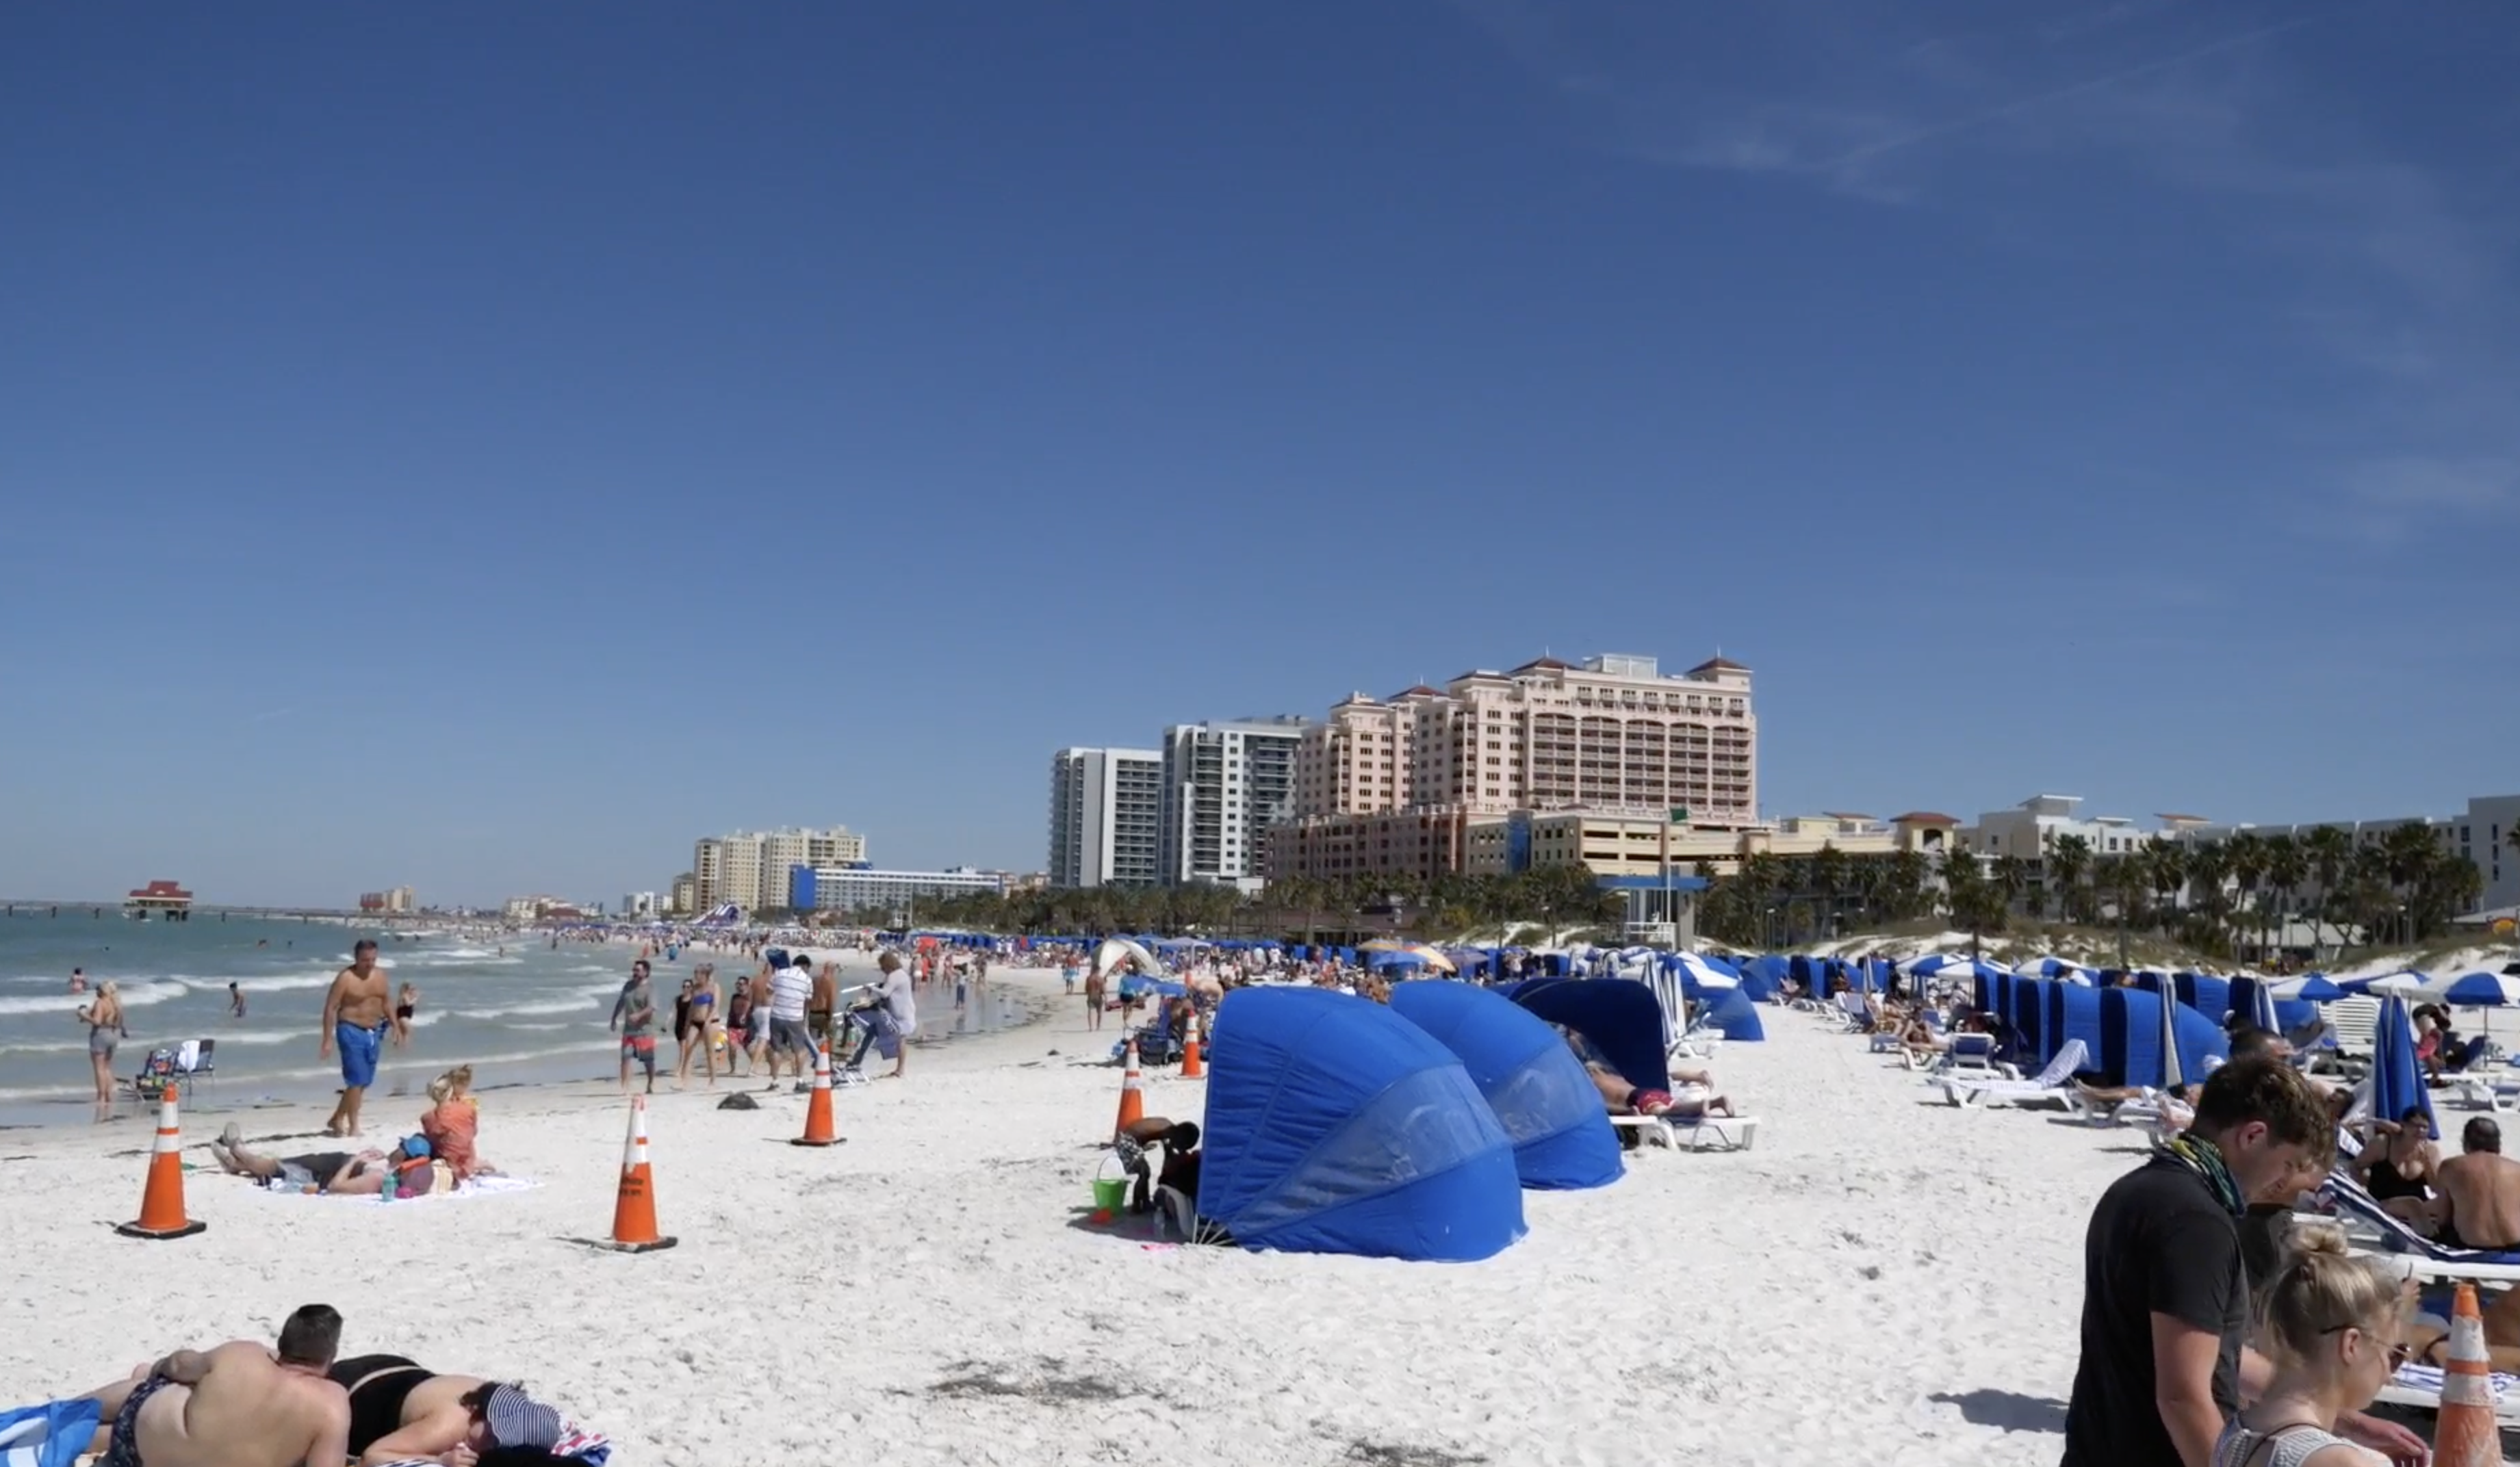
(1956, 964)
(2172, 1075)
(2464, 990)
(2372, 983)
(2396, 1079)
(2312, 988)
(2058, 968)
(2262, 1008)
(1701, 972)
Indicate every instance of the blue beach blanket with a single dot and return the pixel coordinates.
(47, 1436)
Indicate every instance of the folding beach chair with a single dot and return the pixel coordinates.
(169, 1067)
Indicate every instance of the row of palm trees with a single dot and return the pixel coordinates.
(1553, 898)
(2402, 886)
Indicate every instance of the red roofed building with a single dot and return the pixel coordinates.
(168, 899)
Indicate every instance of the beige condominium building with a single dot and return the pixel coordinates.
(750, 867)
(1400, 785)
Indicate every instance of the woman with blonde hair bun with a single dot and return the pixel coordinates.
(2335, 1327)
(453, 1122)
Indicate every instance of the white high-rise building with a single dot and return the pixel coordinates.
(1105, 817)
(1225, 784)
(750, 868)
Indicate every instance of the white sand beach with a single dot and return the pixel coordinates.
(1880, 1279)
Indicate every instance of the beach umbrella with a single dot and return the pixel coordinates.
(1700, 972)
(2369, 983)
(2308, 987)
(2173, 1076)
(2396, 1079)
(2465, 991)
(1434, 959)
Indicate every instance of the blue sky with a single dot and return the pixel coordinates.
(487, 447)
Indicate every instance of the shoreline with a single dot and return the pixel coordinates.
(403, 1075)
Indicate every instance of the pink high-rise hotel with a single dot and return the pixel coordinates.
(1398, 783)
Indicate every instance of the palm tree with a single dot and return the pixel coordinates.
(2330, 852)
(2166, 866)
(2068, 860)
(2247, 851)
(2286, 865)
(1828, 871)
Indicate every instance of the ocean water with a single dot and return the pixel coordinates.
(517, 1010)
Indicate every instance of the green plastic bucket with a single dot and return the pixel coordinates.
(1109, 1192)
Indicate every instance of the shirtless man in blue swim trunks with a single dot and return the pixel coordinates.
(240, 1404)
(358, 1008)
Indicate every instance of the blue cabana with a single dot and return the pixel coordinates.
(2029, 1017)
(2073, 1013)
(1549, 1108)
(1335, 1126)
(1734, 1016)
(2130, 1029)
(1763, 977)
(2207, 995)
(1617, 1016)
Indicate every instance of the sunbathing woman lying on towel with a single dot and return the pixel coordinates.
(400, 1411)
(1693, 1097)
(338, 1173)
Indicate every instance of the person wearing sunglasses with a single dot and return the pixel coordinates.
(2335, 1327)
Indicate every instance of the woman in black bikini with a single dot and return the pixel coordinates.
(400, 1410)
(406, 1004)
(2400, 1173)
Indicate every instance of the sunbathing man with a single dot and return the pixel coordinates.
(1691, 1098)
(400, 1411)
(335, 1173)
(238, 1404)
(2479, 1206)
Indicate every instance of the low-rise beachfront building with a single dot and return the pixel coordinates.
(2480, 835)
(160, 899)
(850, 888)
(687, 894)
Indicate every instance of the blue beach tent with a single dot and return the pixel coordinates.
(2073, 1013)
(1617, 1016)
(1734, 1016)
(2131, 1033)
(1336, 1126)
(1549, 1107)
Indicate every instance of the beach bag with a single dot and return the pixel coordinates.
(47, 1436)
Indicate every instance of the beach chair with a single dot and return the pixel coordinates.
(1972, 1056)
(2423, 1257)
(2353, 1024)
(1700, 1132)
(1157, 1044)
(2054, 1082)
(173, 1066)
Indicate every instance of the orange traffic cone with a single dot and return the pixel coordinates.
(1133, 1094)
(161, 1201)
(2467, 1435)
(634, 1207)
(819, 1130)
(1190, 1068)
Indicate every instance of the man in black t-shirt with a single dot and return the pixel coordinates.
(2165, 1292)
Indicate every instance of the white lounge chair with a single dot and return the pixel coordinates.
(1972, 1056)
(2054, 1082)
(2421, 1255)
(1701, 1133)
(2354, 1024)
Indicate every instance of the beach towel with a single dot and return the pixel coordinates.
(48, 1435)
(577, 1447)
(478, 1187)
(2428, 1380)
